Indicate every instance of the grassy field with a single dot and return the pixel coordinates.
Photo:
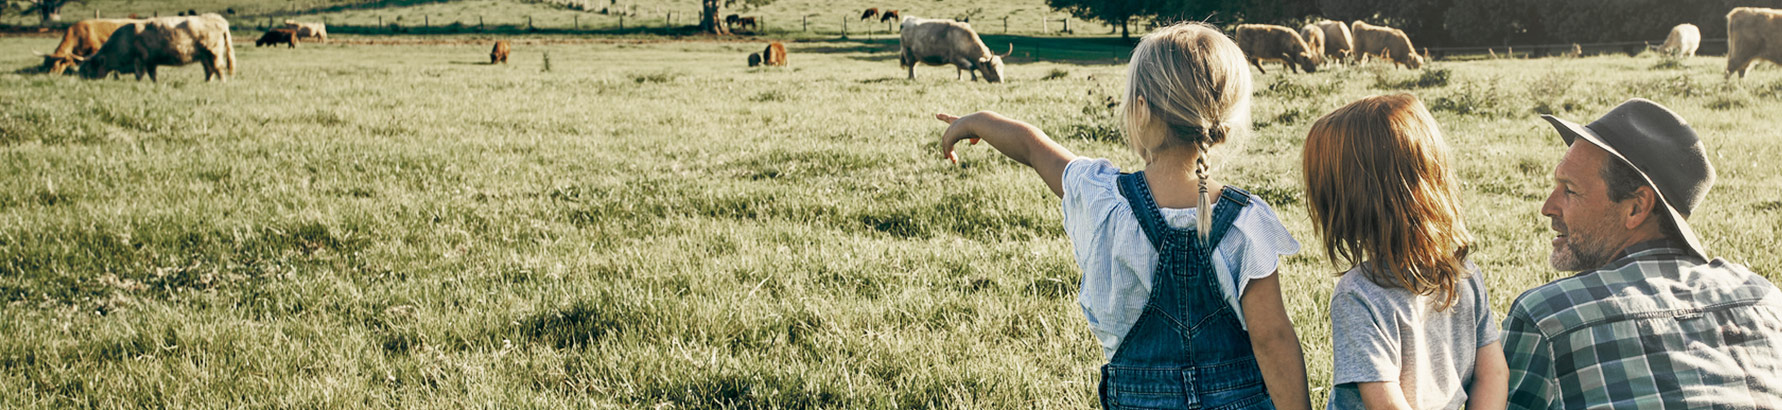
(782, 18)
(652, 224)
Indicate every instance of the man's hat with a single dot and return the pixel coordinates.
(1661, 147)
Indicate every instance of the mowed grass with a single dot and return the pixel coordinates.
(653, 224)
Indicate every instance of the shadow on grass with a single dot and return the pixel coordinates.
(1027, 49)
(379, 4)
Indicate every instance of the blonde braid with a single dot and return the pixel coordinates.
(1205, 211)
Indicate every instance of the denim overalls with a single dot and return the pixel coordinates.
(1187, 350)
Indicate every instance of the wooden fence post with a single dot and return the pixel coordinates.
(1005, 24)
(1067, 24)
(621, 21)
(479, 23)
(807, 23)
(844, 27)
(1045, 25)
(426, 21)
(529, 23)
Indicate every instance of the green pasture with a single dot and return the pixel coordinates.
(652, 224)
(782, 18)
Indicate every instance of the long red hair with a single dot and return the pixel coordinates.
(1380, 191)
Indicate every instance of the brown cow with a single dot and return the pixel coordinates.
(1385, 42)
(869, 14)
(774, 55)
(174, 41)
(1752, 34)
(499, 54)
(1265, 42)
(277, 36)
(1314, 37)
(747, 22)
(890, 15)
(81, 40)
(1339, 42)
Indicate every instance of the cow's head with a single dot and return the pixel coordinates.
(1415, 62)
(992, 67)
(1306, 62)
(94, 67)
(58, 63)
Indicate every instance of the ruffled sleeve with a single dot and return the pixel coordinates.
(1114, 255)
(1251, 250)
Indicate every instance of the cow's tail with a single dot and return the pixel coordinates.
(229, 51)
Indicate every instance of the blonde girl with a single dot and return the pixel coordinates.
(1179, 279)
(1410, 320)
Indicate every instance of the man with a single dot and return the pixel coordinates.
(1649, 322)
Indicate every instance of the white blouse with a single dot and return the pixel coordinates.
(1117, 259)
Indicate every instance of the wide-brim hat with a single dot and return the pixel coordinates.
(1662, 148)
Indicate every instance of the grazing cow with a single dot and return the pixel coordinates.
(499, 54)
(754, 59)
(749, 22)
(1752, 33)
(1684, 40)
(890, 15)
(176, 41)
(1339, 42)
(941, 42)
(869, 14)
(1314, 37)
(1386, 43)
(277, 36)
(774, 55)
(1265, 42)
(81, 40)
(317, 31)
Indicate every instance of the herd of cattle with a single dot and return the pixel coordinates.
(111, 47)
(1752, 34)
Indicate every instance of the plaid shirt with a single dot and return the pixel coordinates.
(1656, 328)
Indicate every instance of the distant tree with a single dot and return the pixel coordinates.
(712, 23)
(1228, 12)
(1495, 22)
(46, 10)
(1117, 13)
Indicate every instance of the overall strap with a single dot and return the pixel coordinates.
(1144, 207)
(1234, 201)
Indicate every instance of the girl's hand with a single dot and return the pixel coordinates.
(956, 130)
(1017, 140)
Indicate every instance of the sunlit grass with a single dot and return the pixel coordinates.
(646, 223)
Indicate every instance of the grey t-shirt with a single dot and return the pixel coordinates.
(1389, 334)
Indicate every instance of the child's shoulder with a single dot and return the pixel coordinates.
(1098, 171)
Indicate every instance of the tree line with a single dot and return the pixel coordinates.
(1440, 23)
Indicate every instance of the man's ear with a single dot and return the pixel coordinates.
(1642, 207)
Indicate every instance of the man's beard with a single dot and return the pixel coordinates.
(1580, 252)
